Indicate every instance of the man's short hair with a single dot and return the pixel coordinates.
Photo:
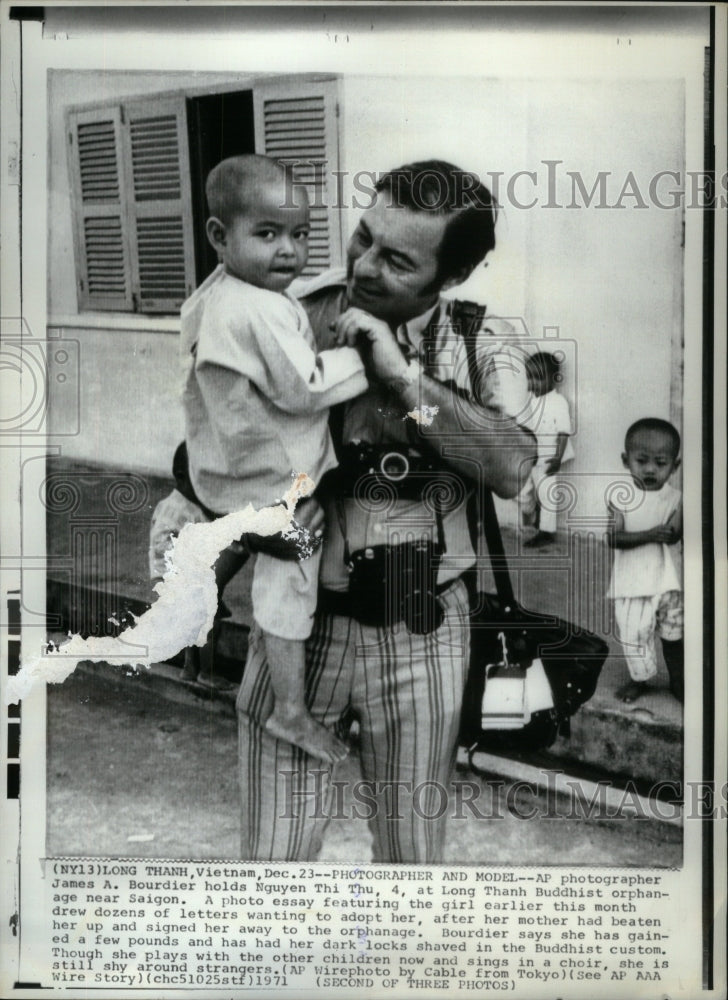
(657, 425)
(443, 189)
(232, 185)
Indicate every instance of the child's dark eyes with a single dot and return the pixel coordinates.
(270, 234)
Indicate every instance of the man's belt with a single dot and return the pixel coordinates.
(338, 602)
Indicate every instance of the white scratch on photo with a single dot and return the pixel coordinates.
(424, 415)
(185, 607)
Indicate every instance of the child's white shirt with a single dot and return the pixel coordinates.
(651, 569)
(548, 416)
(257, 394)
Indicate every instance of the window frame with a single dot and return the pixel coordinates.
(263, 88)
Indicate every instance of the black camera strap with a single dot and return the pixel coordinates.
(467, 321)
(336, 424)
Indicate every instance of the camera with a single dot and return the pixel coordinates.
(396, 583)
(404, 470)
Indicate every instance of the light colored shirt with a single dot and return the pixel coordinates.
(377, 418)
(651, 569)
(257, 394)
(548, 416)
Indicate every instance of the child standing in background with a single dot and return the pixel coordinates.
(550, 420)
(645, 586)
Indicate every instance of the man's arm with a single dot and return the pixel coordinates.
(505, 450)
(267, 345)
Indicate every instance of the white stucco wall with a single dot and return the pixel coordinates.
(609, 279)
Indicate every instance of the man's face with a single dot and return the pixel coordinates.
(392, 262)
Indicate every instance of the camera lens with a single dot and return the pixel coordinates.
(394, 466)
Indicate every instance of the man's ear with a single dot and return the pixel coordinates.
(216, 233)
(457, 279)
(676, 464)
(624, 459)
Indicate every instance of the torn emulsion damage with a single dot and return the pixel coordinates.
(425, 415)
(185, 608)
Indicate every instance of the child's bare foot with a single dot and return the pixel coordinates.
(632, 691)
(300, 728)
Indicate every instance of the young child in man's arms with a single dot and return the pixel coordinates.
(256, 403)
(644, 531)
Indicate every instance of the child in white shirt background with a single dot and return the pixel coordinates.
(646, 582)
(549, 419)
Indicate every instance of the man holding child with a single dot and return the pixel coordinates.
(438, 420)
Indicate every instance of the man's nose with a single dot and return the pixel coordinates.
(367, 264)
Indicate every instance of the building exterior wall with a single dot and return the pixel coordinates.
(608, 279)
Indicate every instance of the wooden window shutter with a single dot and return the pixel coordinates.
(156, 156)
(297, 124)
(101, 237)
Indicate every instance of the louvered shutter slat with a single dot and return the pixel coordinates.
(161, 258)
(155, 158)
(98, 161)
(283, 105)
(100, 224)
(162, 239)
(299, 130)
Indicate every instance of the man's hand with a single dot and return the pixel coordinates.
(309, 515)
(384, 359)
(506, 448)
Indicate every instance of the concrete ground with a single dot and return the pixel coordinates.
(145, 765)
(642, 741)
(133, 773)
